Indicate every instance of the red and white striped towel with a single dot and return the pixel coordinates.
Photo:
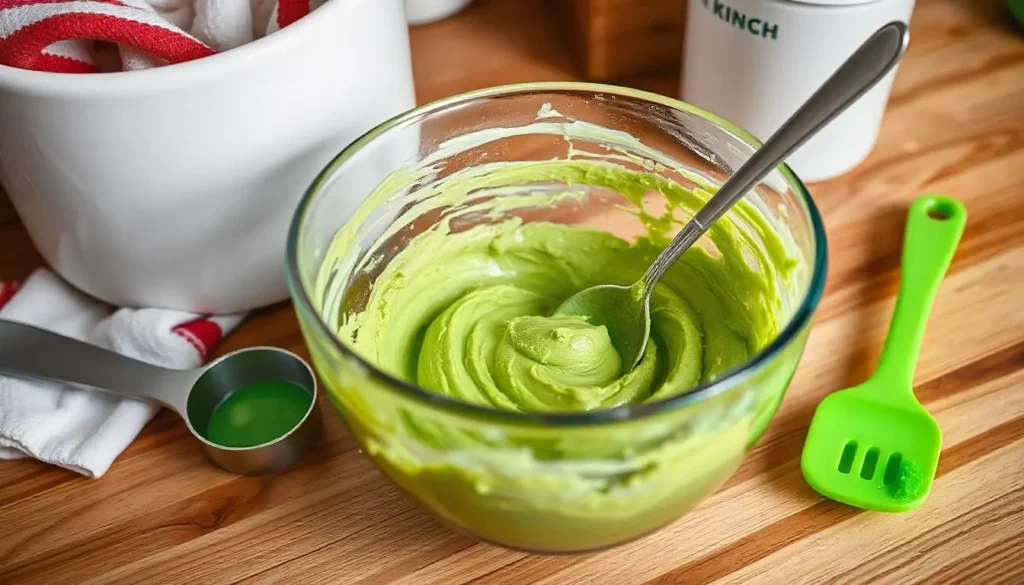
(84, 430)
(69, 36)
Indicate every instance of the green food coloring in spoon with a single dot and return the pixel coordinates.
(258, 413)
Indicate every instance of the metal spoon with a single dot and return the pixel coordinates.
(626, 310)
(193, 394)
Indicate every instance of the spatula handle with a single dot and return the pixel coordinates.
(934, 226)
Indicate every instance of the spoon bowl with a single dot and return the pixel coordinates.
(624, 311)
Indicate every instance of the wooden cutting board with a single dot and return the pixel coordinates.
(163, 515)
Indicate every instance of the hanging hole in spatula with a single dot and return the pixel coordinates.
(941, 210)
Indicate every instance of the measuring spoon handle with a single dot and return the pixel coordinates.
(934, 226)
(859, 73)
(36, 353)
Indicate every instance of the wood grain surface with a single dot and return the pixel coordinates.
(955, 124)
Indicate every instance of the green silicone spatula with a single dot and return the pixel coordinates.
(874, 446)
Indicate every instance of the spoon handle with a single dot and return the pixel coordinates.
(36, 353)
(868, 65)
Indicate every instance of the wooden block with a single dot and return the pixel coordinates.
(614, 39)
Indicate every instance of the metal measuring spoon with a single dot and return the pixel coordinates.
(193, 394)
(626, 310)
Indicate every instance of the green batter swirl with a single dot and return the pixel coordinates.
(469, 314)
(456, 292)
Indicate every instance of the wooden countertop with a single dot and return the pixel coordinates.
(955, 124)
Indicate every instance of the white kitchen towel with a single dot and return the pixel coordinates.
(85, 430)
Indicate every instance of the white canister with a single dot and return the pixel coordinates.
(754, 62)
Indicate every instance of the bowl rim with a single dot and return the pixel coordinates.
(703, 391)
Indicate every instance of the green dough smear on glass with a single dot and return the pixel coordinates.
(468, 314)
(466, 272)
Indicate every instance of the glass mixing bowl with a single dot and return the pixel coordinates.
(552, 482)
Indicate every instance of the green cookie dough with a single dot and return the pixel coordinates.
(469, 314)
(464, 309)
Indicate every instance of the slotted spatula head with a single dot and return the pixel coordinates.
(871, 454)
(874, 446)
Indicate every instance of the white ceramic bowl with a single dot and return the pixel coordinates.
(173, 187)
